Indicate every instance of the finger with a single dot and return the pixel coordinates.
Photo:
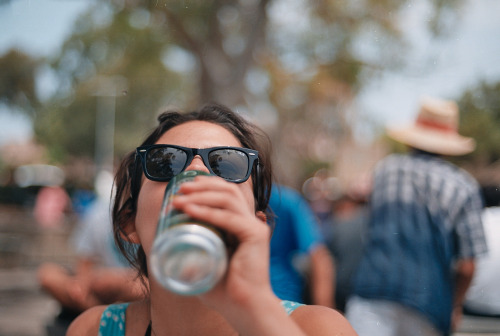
(244, 227)
(212, 191)
(201, 183)
(228, 199)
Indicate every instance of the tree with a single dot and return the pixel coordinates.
(118, 61)
(17, 81)
(295, 64)
(480, 119)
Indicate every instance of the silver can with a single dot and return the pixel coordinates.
(188, 257)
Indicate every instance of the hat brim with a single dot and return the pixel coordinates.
(432, 141)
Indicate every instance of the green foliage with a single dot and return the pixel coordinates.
(17, 81)
(310, 67)
(117, 60)
(480, 119)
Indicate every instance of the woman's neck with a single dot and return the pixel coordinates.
(173, 314)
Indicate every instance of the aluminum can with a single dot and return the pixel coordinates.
(188, 256)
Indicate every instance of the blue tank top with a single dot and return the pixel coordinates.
(113, 317)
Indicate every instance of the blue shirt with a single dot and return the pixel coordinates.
(425, 214)
(296, 232)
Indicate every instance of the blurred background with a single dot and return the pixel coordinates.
(82, 81)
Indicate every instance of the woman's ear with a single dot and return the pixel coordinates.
(128, 231)
(262, 216)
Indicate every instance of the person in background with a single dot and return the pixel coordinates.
(101, 274)
(345, 241)
(298, 252)
(424, 233)
(235, 200)
(320, 191)
(51, 204)
(483, 296)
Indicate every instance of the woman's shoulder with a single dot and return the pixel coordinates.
(321, 320)
(87, 323)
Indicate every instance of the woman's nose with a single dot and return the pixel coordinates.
(197, 164)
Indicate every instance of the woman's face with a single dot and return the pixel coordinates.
(193, 134)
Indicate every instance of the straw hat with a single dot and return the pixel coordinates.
(435, 130)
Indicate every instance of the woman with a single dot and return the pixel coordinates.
(243, 301)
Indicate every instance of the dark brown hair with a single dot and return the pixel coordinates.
(129, 174)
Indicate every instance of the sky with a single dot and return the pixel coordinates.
(441, 68)
(435, 67)
(37, 27)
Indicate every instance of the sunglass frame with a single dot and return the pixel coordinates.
(251, 154)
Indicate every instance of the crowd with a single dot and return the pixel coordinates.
(395, 257)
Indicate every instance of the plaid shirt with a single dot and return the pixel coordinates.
(425, 214)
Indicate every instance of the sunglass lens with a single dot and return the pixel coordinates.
(165, 162)
(229, 164)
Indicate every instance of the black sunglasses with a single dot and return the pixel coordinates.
(162, 162)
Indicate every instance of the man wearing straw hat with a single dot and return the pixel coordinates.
(425, 231)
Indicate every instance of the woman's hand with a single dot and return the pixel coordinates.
(230, 207)
(244, 296)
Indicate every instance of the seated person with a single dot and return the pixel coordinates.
(101, 274)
